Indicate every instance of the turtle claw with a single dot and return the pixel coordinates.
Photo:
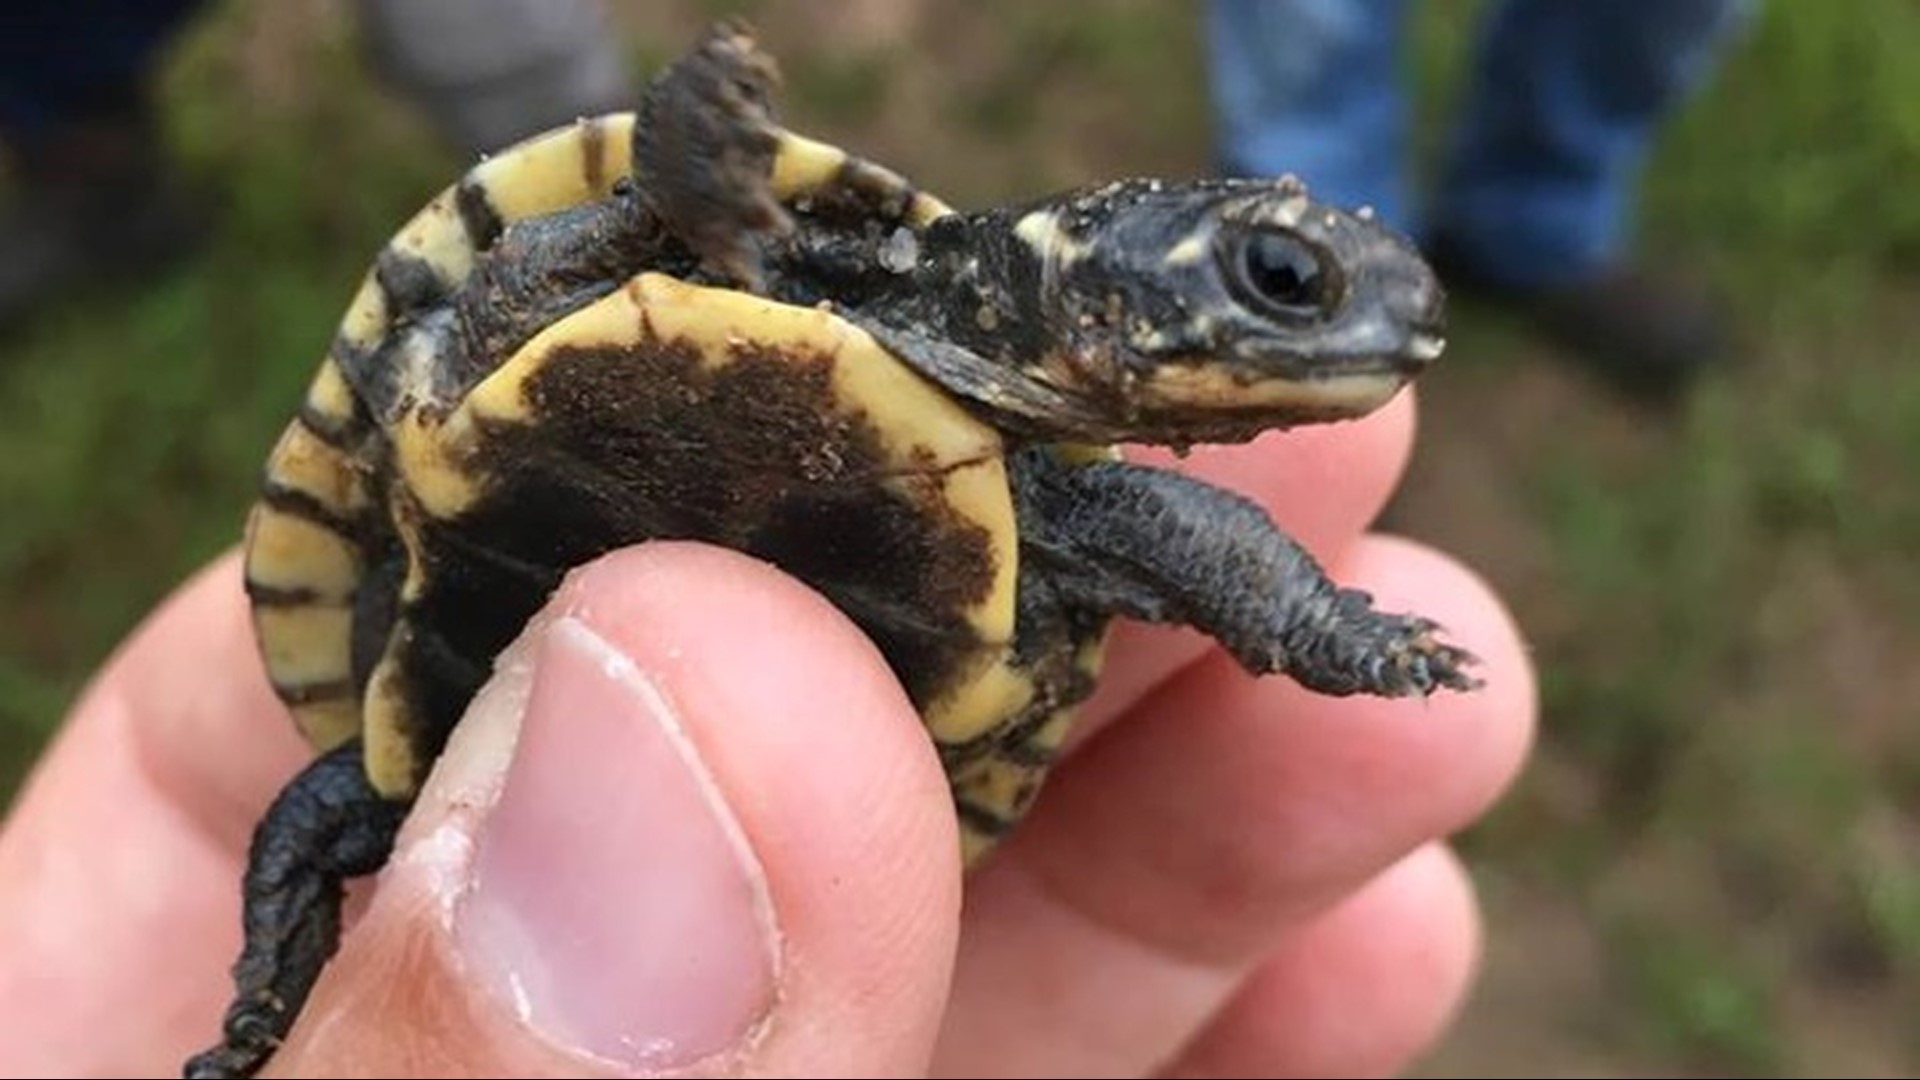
(1364, 651)
(1430, 664)
(1417, 662)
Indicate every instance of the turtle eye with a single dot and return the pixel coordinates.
(1282, 275)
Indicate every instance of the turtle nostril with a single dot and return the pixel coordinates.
(1425, 304)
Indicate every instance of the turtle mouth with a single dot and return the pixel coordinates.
(1348, 391)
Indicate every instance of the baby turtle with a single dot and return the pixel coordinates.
(690, 322)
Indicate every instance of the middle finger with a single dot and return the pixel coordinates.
(1176, 849)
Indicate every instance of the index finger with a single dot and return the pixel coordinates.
(120, 863)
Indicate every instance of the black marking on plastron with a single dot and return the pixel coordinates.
(477, 214)
(275, 596)
(297, 503)
(430, 654)
(456, 543)
(1013, 740)
(337, 434)
(354, 361)
(1029, 753)
(440, 664)
(981, 820)
(376, 605)
(758, 454)
(1018, 743)
(311, 692)
(411, 283)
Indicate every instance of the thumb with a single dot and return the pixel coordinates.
(692, 825)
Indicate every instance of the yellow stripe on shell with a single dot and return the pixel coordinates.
(1004, 788)
(985, 700)
(327, 724)
(438, 237)
(921, 428)
(975, 845)
(804, 166)
(386, 743)
(926, 209)
(550, 171)
(978, 492)
(306, 645)
(428, 457)
(286, 551)
(329, 397)
(303, 462)
(365, 321)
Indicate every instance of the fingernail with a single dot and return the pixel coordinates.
(616, 905)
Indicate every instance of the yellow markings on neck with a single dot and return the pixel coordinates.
(1042, 231)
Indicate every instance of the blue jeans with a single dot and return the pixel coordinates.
(487, 73)
(63, 61)
(1536, 183)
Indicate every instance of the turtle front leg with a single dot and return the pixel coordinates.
(326, 826)
(1158, 545)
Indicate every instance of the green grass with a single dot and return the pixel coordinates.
(1725, 601)
(1727, 615)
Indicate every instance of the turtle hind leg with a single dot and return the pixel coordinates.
(704, 151)
(328, 825)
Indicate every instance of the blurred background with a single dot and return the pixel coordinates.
(1712, 866)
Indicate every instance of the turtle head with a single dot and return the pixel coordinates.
(1213, 310)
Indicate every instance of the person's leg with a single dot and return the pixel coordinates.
(1536, 197)
(489, 72)
(94, 194)
(1562, 107)
(1312, 87)
(64, 64)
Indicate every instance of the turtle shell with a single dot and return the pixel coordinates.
(396, 548)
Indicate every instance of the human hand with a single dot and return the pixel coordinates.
(693, 821)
